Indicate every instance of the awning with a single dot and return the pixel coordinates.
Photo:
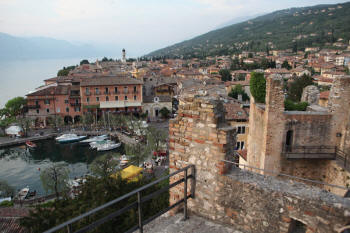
(119, 104)
(131, 173)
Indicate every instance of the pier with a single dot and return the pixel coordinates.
(8, 142)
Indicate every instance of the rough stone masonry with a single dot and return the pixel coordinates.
(251, 202)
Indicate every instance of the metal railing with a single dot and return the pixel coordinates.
(137, 204)
(310, 152)
(247, 167)
(343, 159)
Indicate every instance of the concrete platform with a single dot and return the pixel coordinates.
(195, 224)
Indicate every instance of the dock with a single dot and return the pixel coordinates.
(20, 141)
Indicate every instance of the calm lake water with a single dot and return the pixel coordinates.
(20, 167)
(17, 78)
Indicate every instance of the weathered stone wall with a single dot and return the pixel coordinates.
(199, 135)
(256, 135)
(256, 203)
(339, 105)
(309, 128)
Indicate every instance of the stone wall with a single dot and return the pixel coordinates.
(251, 202)
(256, 203)
(199, 135)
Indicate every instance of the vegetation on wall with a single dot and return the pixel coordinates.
(238, 90)
(258, 87)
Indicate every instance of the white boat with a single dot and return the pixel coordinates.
(66, 138)
(94, 145)
(23, 193)
(108, 146)
(95, 139)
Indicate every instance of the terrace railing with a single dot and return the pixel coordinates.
(137, 204)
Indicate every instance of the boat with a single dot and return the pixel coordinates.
(95, 139)
(94, 145)
(23, 193)
(108, 146)
(124, 161)
(66, 138)
(30, 145)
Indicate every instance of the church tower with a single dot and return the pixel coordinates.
(123, 56)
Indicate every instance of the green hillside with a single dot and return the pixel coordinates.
(295, 28)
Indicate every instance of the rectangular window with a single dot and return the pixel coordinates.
(116, 98)
(47, 102)
(238, 145)
(66, 101)
(97, 91)
(134, 97)
(125, 90)
(37, 111)
(116, 90)
(241, 130)
(77, 109)
(134, 89)
(36, 102)
(87, 99)
(87, 90)
(67, 109)
(58, 110)
(106, 90)
(107, 98)
(47, 110)
(242, 145)
(97, 98)
(125, 97)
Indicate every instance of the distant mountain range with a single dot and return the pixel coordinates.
(12, 47)
(290, 28)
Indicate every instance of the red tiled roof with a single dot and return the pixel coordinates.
(324, 95)
(243, 153)
(11, 225)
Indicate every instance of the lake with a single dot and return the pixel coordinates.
(17, 78)
(21, 167)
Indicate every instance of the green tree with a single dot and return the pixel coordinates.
(105, 165)
(55, 178)
(104, 59)
(289, 105)
(164, 112)
(139, 152)
(87, 119)
(156, 138)
(258, 87)
(6, 190)
(14, 107)
(225, 75)
(286, 65)
(295, 89)
(25, 123)
(238, 90)
(65, 71)
(85, 61)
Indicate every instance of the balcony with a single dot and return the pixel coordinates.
(75, 104)
(116, 92)
(87, 93)
(36, 106)
(310, 152)
(106, 92)
(97, 93)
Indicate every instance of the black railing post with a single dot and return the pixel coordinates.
(140, 211)
(193, 183)
(69, 228)
(185, 195)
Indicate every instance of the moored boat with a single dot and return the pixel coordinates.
(94, 145)
(67, 138)
(108, 146)
(95, 139)
(23, 193)
(30, 145)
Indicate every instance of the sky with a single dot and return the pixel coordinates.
(140, 26)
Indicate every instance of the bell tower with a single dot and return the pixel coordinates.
(123, 56)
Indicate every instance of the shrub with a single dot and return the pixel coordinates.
(289, 105)
(258, 87)
(6, 204)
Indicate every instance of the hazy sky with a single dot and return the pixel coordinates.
(140, 26)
